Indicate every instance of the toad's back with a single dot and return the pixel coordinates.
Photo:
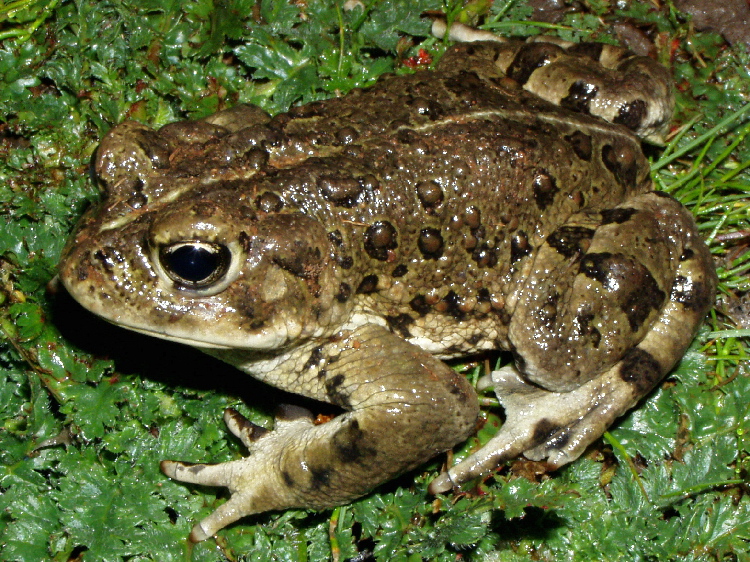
(435, 218)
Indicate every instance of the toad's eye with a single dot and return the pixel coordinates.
(195, 265)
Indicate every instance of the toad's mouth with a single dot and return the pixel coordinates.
(202, 329)
(185, 340)
(262, 340)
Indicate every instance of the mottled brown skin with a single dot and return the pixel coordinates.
(340, 250)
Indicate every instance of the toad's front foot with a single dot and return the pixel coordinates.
(252, 480)
(405, 407)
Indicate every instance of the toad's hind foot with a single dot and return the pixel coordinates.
(558, 426)
(541, 424)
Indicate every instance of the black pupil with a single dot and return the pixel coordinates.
(194, 263)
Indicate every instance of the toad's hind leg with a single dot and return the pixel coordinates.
(608, 82)
(558, 421)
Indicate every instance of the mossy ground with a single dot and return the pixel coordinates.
(668, 482)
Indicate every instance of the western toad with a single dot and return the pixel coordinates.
(341, 250)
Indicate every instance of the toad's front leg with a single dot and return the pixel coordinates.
(404, 407)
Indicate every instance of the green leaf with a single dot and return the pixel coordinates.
(94, 409)
(33, 517)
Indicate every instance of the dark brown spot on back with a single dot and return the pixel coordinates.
(379, 238)
(346, 135)
(581, 144)
(369, 183)
(343, 192)
(545, 188)
(369, 284)
(430, 243)
(269, 202)
(255, 159)
(485, 255)
(618, 215)
(335, 237)
(426, 107)
(400, 270)
(570, 240)
(430, 194)
(420, 305)
(519, 246)
(344, 292)
(621, 162)
(473, 217)
(451, 302)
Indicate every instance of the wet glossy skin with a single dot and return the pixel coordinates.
(341, 250)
